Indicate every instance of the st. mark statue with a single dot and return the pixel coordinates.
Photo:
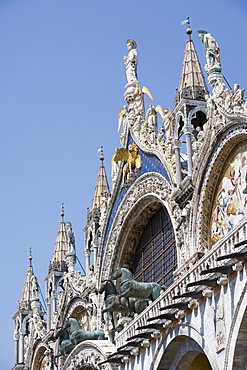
(131, 61)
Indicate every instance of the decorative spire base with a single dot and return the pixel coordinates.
(133, 96)
(214, 74)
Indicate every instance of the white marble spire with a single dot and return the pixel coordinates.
(30, 288)
(192, 83)
(58, 262)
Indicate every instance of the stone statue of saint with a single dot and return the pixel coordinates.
(238, 97)
(212, 49)
(70, 237)
(151, 116)
(131, 61)
(34, 288)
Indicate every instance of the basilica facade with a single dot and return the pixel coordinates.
(165, 249)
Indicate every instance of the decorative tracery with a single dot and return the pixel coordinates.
(155, 256)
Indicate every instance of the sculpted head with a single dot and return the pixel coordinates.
(131, 44)
(202, 33)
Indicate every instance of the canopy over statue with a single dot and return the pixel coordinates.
(131, 61)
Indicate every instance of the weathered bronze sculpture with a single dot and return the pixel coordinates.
(113, 303)
(134, 289)
(65, 344)
(78, 335)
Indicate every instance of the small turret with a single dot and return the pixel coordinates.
(63, 257)
(95, 214)
(58, 262)
(192, 83)
(190, 108)
(28, 301)
(30, 288)
(102, 187)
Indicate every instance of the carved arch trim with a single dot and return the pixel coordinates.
(87, 355)
(146, 195)
(190, 339)
(210, 181)
(38, 352)
(79, 309)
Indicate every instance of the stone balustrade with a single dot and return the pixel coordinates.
(209, 260)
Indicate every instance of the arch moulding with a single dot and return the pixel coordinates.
(210, 181)
(190, 339)
(143, 198)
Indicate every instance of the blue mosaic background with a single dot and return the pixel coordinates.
(150, 163)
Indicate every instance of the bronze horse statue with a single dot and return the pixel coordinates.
(78, 335)
(65, 344)
(134, 289)
(113, 303)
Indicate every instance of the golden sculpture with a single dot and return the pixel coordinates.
(132, 158)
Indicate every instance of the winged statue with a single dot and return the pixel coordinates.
(160, 110)
(121, 115)
(131, 157)
(145, 90)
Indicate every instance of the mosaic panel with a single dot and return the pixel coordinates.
(150, 163)
(229, 205)
(211, 180)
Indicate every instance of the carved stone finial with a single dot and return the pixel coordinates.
(189, 32)
(101, 154)
(62, 211)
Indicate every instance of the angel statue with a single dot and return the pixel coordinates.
(130, 156)
(131, 61)
(122, 113)
(167, 122)
(151, 114)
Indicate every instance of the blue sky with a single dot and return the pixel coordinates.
(62, 81)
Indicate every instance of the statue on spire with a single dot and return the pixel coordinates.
(212, 49)
(213, 66)
(70, 237)
(131, 61)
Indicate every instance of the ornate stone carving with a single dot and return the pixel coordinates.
(144, 187)
(229, 141)
(75, 280)
(38, 323)
(229, 104)
(86, 358)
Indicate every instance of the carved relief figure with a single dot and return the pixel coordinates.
(238, 97)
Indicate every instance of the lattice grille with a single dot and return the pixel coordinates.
(155, 257)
